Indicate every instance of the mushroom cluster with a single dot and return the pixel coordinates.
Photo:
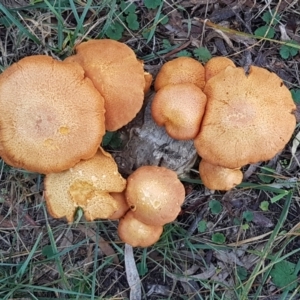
(154, 196)
(58, 111)
(245, 118)
(55, 114)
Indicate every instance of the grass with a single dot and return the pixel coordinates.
(43, 258)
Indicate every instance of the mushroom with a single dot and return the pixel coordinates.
(179, 108)
(136, 233)
(246, 120)
(117, 74)
(154, 194)
(51, 115)
(180, 70)
(86, 185)
(215, 65)
(122, 205)
(219, 178)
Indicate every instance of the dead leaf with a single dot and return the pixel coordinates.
(132, 274)
(103, 245)
(202, 276)
(66, 239)
(296, 142)
(228, 257)
(261, 220)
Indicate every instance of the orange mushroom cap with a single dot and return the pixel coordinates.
(180, 70)
(117, 74)
(215, 65)
(154, 194)
(122, 205)
(246, 120)
(86, 185)
(219, 178)
(179, 108)
(136, 233)
(51, 115)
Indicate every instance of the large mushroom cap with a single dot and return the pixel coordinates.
(51, 115)
(136, 233)
(215, 65)
(179, 107)
(117, 74)
(219, 178)
(180, 70)
(154, 194)
(86, 185)
(248, 118)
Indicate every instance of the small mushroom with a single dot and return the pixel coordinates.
(215, 65)
(136, 233)
(51, 115)
(179, 108)
(219, 178)
(117, 74)
(180, 70)
(154, 194)
(246, 120)
(86, 185)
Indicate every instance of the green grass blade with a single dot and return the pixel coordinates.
(156, 21)
(18, 24)
(79, 27)
(24, 266)
(267, 248)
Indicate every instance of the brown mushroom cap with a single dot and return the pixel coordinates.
(117, 74)
(246, 120)
(51, 115)
(86, 185)
(136, 233)
(180, 70)
(179, 108)
(122, 205)
(215, 65)
(154, 194)
(219, 178)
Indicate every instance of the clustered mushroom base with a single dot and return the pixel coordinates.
(54, 121)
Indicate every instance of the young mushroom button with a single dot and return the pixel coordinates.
(180, 70)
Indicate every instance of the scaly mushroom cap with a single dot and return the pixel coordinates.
(86, 185)
(248, 118)
(179, 108)
(154, 194)
(180, 70)
(215, 65)
(136, 233)
(51, 115)
(117, 74)
(219, 178)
